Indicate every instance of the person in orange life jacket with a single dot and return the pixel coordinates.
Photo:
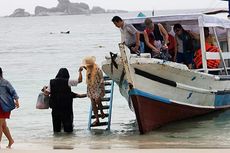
(171, 42)
(209, 38)
(130, 36)
(61, 99)
(155, 37)
(6, 91)
(184, 46)
(211, 63)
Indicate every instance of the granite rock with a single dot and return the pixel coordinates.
(19, 13)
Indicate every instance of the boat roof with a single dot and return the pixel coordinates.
(200, 19)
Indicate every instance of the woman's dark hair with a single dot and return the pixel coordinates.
(0, 72)
(177, 26)
(63, 73)
(206, 28)
(116, 19)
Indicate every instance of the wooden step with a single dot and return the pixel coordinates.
(107, 91)
(93, 116)
(105, 99)
(105, 107)
(107, 83)
(106, 78)
(100, 124)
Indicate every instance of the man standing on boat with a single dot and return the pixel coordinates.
(184, 45)
(129, 34)
(156, 37)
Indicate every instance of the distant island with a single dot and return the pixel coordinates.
(64, 7)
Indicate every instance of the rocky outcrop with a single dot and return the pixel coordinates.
(97, 10)
(78, 8)
(64, 7)
(41, 11)
(19, 13)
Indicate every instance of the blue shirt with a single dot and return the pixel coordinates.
(7, 90)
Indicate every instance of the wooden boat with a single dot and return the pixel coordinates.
(162, 91)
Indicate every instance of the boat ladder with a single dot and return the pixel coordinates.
(107, 102)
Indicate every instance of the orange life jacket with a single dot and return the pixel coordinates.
(214, 63)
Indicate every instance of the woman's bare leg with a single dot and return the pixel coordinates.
(100, 106)
(95, 110)
(7, 133)
(1, 124)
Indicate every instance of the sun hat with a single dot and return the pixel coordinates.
(89, 60)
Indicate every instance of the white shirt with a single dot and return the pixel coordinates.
(128, 34)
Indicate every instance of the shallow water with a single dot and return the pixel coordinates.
(31, 52)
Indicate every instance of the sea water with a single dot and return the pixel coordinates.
(32, 49)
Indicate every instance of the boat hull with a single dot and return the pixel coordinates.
(163, 92)
(154, 113)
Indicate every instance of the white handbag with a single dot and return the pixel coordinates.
(42, 101)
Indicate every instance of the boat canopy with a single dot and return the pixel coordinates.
(202, 20)
(218, 23)
(219, 20)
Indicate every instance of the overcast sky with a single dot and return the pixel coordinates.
(8, 6)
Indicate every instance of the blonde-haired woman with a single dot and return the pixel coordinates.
(95, 86)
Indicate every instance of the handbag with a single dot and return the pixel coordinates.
(42, 101)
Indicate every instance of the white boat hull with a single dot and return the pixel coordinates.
(164, 91)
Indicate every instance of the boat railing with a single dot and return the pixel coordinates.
(216, 71)
(213, 69)
(223, 56)
(142, 55)
(216, 55)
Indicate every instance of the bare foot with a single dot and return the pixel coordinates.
(10, 144)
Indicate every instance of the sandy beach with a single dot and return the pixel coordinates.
(117, 151)
(38, 148)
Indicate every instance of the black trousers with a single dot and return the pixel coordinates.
(64, 119)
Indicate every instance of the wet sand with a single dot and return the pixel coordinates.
(13, 150)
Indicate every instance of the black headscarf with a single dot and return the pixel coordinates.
(63, 73)
(0, 72)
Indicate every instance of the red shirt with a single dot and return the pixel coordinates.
(171, 45)
(150, 36)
